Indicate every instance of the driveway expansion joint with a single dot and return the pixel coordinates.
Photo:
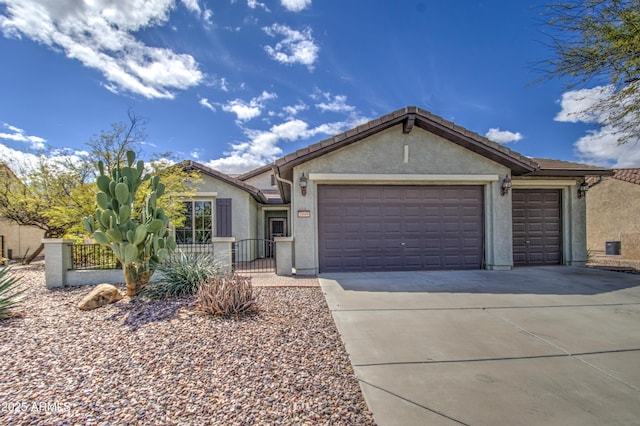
(431, 410)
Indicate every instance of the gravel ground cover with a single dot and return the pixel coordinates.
(161, 363)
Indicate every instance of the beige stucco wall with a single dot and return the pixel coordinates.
(244, 207)
(22, 240)
(613, 214)
(262, 181)
(384, 154)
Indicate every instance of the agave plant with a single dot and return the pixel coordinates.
(182, 273)
(10, 295)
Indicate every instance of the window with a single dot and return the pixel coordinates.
(198, 223)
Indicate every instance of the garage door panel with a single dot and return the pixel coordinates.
(537, 226)
(402, 227)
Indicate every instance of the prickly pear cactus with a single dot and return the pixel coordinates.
(137, 240)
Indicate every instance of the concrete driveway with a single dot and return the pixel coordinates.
(546, 345)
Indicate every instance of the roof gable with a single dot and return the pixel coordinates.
(409, 117)
(189, 165)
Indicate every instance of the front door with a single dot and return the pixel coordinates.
(277, 227)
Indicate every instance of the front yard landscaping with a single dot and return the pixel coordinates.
(160, 362)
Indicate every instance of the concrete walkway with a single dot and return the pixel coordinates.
(550, 345)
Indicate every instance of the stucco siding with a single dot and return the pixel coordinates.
(243, 205)
(21, 240)
(262, 181)
(613, 214)
(385, 154)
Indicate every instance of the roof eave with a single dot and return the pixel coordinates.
(255, 192)
(570, 173)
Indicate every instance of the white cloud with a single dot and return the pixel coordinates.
(206, 104)
(262, 146)
(295, 5)
(207, 17)
(24, 163)
(503, 136)
(600, 146)
(19, 135)
(101, 34)
(247, 110)
(579, 105)
(336, 103)
(192, 5)
(293, 110)
(296, 47)
(254, 3)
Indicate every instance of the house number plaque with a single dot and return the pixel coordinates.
(304, 213)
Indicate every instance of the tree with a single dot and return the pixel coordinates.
(598, 42)
(49, 195)
(137, 236)
(110, 147)
(54, 192)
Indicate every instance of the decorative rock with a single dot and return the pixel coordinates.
(102, 295)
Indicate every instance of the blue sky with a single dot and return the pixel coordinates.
(235, 84)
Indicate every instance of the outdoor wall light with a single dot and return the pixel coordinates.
(582, 189)
(303, 181)
(506, 186)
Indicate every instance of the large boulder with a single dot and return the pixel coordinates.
(102, 295)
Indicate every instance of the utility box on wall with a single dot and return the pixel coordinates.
(612, 248)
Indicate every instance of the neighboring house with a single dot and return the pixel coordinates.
(406, 191)
(613, 214)
(16, 241)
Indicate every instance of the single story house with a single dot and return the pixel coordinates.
(406, 191)
(613, 214)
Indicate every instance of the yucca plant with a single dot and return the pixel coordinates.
(10, 295)
(181, 274)
(226, 295)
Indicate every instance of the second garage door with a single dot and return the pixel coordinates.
(394, 228)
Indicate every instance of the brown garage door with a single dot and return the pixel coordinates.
(537, 227)
(394, 228)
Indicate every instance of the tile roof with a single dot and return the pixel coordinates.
(550, 167)
(413, 116)
(627, 175)
(255, 192)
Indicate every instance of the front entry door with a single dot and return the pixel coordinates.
(277, 227)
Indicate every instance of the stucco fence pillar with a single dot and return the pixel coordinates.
(284, 255)
(223, 251)
(57, 261)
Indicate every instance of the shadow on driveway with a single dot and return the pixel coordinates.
(560, 280)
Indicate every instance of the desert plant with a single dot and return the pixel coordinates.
(226, 294)
(181, 274)
(10, 295)
(135, 234)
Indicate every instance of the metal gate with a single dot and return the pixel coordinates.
(254, 255)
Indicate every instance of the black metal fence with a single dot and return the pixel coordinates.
(2, 246)
(254, 255)
(95, 256)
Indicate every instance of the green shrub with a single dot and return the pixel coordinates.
(225, 295)
(181, 274)
(10, 295)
